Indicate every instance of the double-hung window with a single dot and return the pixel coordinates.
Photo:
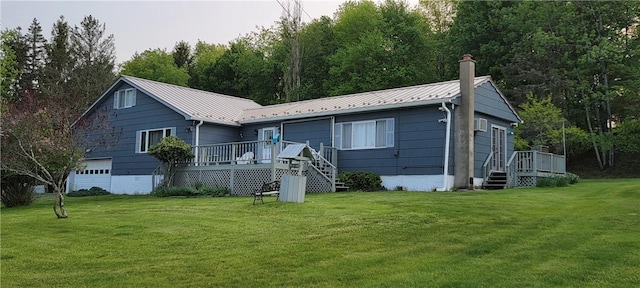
(124, 98)
(147, 138)
(364, 134)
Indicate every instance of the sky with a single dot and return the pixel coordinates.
(140, 25)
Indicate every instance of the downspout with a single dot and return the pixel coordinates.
(446, 148)
(197, 141)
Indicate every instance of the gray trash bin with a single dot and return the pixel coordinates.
(292, 188)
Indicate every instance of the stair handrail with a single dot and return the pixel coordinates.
(511, 170)
(319, 161)
(155, 177)
(486, 172)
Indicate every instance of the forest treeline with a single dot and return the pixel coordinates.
(572, 64)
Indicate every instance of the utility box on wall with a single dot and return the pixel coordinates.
(292, 188)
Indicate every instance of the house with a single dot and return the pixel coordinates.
(414, 137)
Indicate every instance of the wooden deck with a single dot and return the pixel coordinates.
(243, 167)
(524, 168)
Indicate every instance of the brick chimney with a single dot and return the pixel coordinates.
(463, 135)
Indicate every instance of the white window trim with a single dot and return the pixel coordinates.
(139, 149)
(389, 137)
(127, 103)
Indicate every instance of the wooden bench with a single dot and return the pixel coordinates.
(268, 188)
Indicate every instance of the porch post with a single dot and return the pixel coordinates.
(273, 161)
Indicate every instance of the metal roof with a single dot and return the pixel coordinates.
(367, 101)
(229, 110)
(295, 151)
(195, 104)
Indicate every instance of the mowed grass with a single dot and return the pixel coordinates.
(586, 235)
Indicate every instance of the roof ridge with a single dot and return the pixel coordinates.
(188, 88)
(366, 92)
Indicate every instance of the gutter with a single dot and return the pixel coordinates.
(197, 140)
(446, 147)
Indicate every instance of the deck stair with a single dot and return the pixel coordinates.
(341, 186)
(496, 180)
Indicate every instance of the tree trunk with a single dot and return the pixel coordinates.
(593, 138)
(58, 204)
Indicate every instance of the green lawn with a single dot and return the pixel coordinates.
(587, 235)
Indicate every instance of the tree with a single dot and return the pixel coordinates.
(42, 140)
(439, 16)
(380, 47)
(10, 68)
(59, 64)
(35, 56)
(13, 64)
(318, 42)
(204, 55)
(156, 65)
(544, 125)
(247, 70)
(93, 54)
(182, 55)
(171, 150)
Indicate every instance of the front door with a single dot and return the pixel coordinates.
(265, 136)
(498, 148)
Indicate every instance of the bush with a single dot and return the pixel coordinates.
(361, 181)
(558, 181)
(573, 178)
(93, 191)
(17, 191)
(211, 191)
(190, 191)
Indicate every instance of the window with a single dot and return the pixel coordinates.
(148, 138)
(364, 134)
(124, 99)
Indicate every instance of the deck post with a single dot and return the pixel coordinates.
(535, 163)
(273, 162)
(233, 154)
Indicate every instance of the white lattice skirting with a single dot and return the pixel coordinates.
(243, 181)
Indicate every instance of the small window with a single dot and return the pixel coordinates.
(147, 138)
(124, 98)
(364, 134)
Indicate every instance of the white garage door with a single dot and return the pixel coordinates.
(96, 173)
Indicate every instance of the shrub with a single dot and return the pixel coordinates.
(361, 181)
(561, 181)
(546, 182)
(189, 191)
(557, 181)
(17, 191)
(173, 191)
(210, 191)
(573, 178)
(93, 191)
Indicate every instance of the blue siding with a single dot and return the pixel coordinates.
(315, 131)
(488, 101)
(146, 114)
(482, 142)
(250, 132)
(212, 134)
(418, 146)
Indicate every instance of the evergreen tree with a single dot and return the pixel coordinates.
(35, 56)
(58, 67)
(93, 54)
(182, 55)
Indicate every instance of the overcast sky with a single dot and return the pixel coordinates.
(140, 25)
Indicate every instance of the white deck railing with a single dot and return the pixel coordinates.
(528, 164)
